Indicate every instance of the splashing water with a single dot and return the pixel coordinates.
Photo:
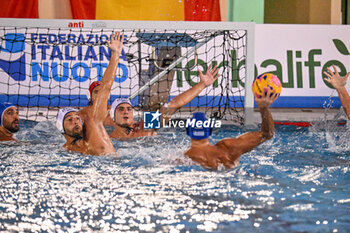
(335, 128)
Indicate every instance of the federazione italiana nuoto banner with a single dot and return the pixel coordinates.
(54, 67)
(298, 55)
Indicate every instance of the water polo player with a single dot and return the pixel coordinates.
(122, 112)
(9, 121)
(91, 137)
(339, 82)
(94, 88)
(228, 150)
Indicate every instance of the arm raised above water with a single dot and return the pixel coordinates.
(248, 141)
(339, 83)
(99, 107)
(184, 98)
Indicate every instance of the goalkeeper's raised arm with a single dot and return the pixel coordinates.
(122, 112)
(184, 98)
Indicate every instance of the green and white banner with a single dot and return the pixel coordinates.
(298, 55)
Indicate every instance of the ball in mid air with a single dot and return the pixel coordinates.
(264, 81)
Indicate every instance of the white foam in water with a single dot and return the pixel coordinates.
(42, 131)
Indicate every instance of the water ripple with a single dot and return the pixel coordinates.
(286, 184)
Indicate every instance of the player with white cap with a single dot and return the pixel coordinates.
(122, 111)
(90, 136)
(9, 121)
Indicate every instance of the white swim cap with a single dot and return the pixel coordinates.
(116, 103)
(60, 117)
(3, 108)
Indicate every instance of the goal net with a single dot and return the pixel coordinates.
(48, 64)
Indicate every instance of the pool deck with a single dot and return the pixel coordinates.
(299, 114)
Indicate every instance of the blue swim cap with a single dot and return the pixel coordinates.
(198, 133)
(3, 107)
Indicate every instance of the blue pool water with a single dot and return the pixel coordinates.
(297, 182)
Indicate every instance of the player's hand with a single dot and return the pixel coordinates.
(334, 78)
(266, 99)
(116, 43)
(210, 76)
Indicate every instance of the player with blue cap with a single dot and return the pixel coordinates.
(227, 151)
(91, 137)
(122, 112)
(9, 121)
(198, 133)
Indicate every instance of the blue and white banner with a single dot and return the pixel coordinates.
(42, 65)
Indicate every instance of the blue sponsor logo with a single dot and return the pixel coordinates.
(51, 57)
(151, 120)
(14, 43)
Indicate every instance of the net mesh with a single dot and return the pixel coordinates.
(43, 69)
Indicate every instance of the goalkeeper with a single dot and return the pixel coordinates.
(91, 137)
(122, 112)
(228, 150)
(94, 88)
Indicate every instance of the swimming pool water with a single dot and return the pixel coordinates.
(297, 182)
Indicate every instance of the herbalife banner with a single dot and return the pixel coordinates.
(298, 55)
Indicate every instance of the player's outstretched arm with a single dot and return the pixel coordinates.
(184, 98)
(250, 140)
(339, 83)
(100, 105)
(267, 123)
